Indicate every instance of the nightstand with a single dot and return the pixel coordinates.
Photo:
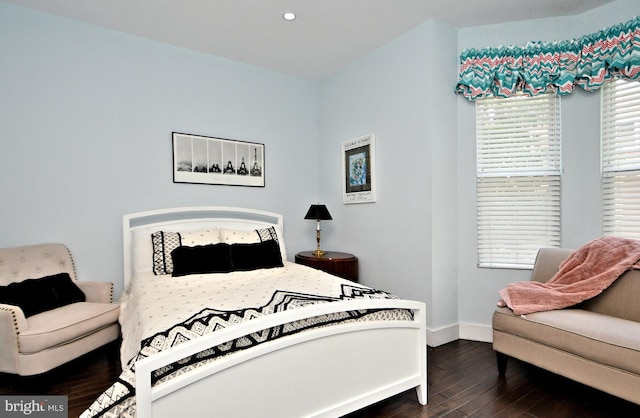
(340, 264)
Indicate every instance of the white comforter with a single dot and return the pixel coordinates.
(155, 303)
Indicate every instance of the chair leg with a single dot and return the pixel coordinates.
(502, 363)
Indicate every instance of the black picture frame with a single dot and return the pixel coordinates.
(358, 170)
(201, 159)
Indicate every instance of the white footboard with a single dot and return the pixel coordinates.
(322, 372)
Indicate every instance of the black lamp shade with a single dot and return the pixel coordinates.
(318, 212)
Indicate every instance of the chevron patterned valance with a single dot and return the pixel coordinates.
(552, 67)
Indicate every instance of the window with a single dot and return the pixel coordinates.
(620, 139)
(518, 179)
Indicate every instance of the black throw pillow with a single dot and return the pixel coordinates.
(254, 256)
(201, 259)
(35, 296)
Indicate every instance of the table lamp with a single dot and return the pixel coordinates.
(319, 213)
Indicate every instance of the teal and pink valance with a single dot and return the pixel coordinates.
(552, 67)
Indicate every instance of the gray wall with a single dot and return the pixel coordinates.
(86, 121)
(405, 240)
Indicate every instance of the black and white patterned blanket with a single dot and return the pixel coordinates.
(119, 399)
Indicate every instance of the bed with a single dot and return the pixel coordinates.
(216, 322)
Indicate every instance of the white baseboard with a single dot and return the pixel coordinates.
(473, 332)
(436, 337)
(476, 332)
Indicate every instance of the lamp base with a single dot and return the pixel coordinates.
(318, 253)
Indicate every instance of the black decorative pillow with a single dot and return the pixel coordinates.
(163, 244)
(259, 255)
(201, 259)
(35, 296)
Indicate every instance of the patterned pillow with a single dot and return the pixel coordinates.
(163, 243)
(268, 234)
(237, 236)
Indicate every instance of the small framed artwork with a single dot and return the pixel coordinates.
(208, 160)
(358, 170)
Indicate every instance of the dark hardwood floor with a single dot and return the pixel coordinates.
(82, 380)
(463, 382)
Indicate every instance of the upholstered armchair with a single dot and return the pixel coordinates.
(47, 316)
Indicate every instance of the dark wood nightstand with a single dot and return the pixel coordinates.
(340, 264)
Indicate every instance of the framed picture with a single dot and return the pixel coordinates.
(207, 160)
(358, 170)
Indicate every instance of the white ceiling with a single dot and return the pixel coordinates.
(327, 35)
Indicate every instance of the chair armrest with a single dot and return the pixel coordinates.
(101, 292)
(16, 315)
(12, 322)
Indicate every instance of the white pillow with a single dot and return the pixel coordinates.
(200, 237)
(142, 252)
(238, 236)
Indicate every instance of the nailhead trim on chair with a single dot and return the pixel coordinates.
(73, 263)
(75, 273)
(15, 325)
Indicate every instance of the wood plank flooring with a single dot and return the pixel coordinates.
(82, 380)
(463, 382)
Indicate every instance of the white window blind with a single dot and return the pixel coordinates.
(620, 139)
(518, 179)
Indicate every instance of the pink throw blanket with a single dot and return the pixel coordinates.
(584, 274)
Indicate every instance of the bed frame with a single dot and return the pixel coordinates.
(323, 372)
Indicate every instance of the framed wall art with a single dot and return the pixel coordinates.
(358, 170)
(208, 160)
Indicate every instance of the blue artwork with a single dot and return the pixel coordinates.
(358, 169)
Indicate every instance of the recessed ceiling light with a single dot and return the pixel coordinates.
(289, 16)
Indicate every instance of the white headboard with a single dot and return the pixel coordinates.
(138, 227)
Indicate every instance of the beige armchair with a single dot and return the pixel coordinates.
(72, 323)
